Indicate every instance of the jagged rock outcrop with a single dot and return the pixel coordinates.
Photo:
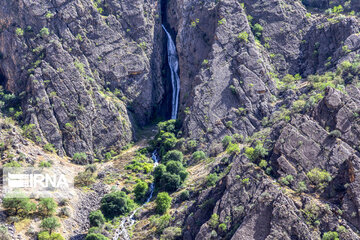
(62, 57)
(220, 71)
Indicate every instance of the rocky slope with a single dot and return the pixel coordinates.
(279, 78)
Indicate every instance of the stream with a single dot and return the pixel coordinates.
(128, 221)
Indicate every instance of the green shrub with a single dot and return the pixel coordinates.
(50, 224)
(198, 156)
(44, 164)
(233, 148)
(256, 153)
(140, 190)
(80, 158)
(96, 218)
(115, 204)
(222, 227)
(330, 236)
(301, 187)
(170, 182)
(183, 175)
(263, 164)
(319, 177)
(84, 179)
(159, 172)
(163, 202)
(174, 167)
(287, 179)
(19, 32)
(211, 179)
(173, 155)
(18, 205)
(244, 36)
(184, 195)
(160, 222)
(46, 236)
(95, 236)
(226, 141)
(171, 233)
(335, 133)
(12, 164)
(49, 147)
(229, 124)
(44, 32)
(107, 156)
(298, 105)
(257, 28)
(47, 206)
(214, 221)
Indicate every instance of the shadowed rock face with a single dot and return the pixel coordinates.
(67, 57)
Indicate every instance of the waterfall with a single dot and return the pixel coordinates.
(175, 79)
(127, 222)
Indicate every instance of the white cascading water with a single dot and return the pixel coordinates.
(175, 79)
(127, 222)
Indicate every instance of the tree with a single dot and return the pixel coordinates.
(174, 167)
(96, 219)
(115, 204)
(163, 202)
(140, 190)
(96, 236)
(159, 172)
(4, 234)
(18, 204)
(47, 236)
(319, 177)
(84, 179)
(170, 182)
(226, 141)
(173, 155)
(50, 224)
(330, 236)
(198, 155)
(80, 158)
(211, 179)
(47, 206)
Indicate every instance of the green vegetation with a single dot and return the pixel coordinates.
(198, 156)
(257, 28)
(53, 236)
(244, 36)
(50, 224)
(140, 190)
(140, 163)
(47, 206)
(19, 32)
(211, 179)
(85, 178)
(330, 236)
(320, 178)
(95, 236)
(184, 195)
(214, 221)
(96, 219)
(226, 141)
(44, 32)
(44, 164)
(287, 180)
(256, 153)
(115, 204)
(49, 147)
(174, 155)
(163, 202)
(19, 205)
(80, 158)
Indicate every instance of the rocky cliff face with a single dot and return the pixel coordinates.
(280, 77)
(64, 58)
